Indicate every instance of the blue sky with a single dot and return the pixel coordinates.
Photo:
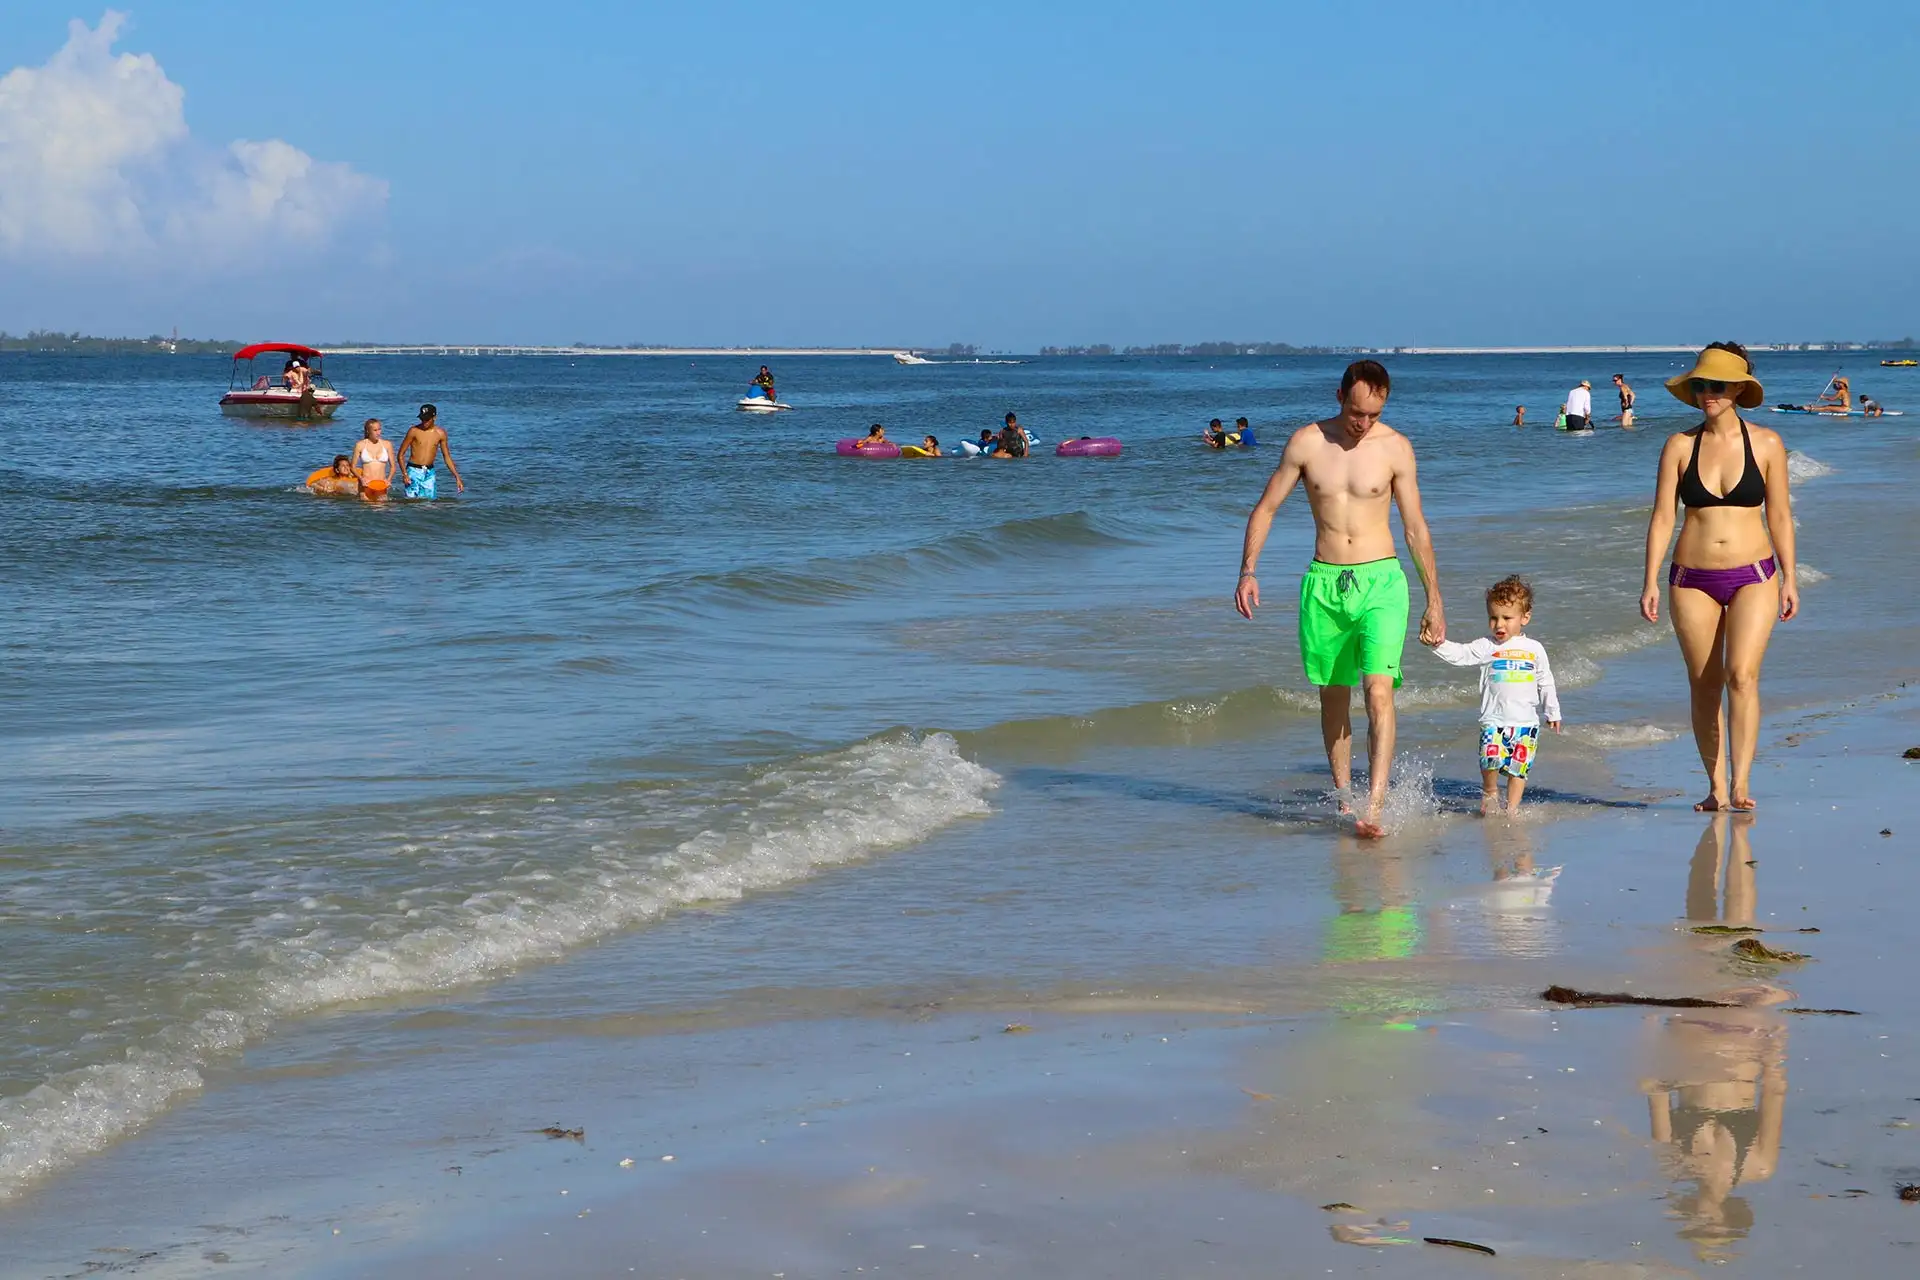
(1010, 175)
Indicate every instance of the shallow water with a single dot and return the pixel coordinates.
(267, 755)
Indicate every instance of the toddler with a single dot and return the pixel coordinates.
(1514, 681)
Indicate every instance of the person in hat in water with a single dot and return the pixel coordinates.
(1732, 575)
(1837, 398)
(425, 444)
(1580, 407)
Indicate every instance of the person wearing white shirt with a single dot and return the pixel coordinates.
(1580, 407)
(1515, 681)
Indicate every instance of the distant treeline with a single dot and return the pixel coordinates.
(79, 344)
(1197, 349)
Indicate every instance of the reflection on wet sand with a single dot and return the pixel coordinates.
(1717, 1082)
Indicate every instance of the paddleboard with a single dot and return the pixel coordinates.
(1836, 413)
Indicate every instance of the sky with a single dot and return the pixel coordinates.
(1010, 175)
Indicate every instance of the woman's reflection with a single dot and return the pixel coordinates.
(1719, 1080)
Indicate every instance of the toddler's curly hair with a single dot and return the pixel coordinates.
(1513, 590)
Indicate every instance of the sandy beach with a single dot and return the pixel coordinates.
(1196, 1124)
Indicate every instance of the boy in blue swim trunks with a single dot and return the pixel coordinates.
(423, 445)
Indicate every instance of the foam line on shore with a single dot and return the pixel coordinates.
(791, 822)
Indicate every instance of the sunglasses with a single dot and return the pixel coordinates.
(1707, 384)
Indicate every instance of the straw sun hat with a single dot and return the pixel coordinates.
(1717, 365)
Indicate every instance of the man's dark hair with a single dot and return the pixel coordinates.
(1239, 422)
(1370, 372)
(1619, 377)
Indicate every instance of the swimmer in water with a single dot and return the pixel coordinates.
(373, 461)
(876, 435)
(1519, 415)
(1215, 435)
(425, 444)
(341, 481)
(1626, 399)
(932, 445)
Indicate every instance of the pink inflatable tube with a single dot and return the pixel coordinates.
(846, 449)
(1089, 447)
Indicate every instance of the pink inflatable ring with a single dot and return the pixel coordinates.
(1089, 447)
(850, 448)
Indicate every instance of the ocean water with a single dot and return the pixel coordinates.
(267, 757)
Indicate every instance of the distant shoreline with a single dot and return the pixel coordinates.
(75, 344)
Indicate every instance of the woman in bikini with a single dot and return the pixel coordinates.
(1732, 575)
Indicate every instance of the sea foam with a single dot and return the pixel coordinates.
(787, 824)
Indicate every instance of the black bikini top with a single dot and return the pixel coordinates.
(1749, 491)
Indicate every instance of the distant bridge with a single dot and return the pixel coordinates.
(500, 349)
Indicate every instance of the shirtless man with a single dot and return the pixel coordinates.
(373, 461)
(424, 443)
(1626, 399)
(1353, 600)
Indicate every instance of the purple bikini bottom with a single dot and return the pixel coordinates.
(1721, 584)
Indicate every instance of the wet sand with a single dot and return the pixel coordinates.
(1187, 1126)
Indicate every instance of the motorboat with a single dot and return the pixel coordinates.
(907, 357)
(759, 404)
(299, 391)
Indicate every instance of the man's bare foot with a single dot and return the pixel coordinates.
(1367, 829)
(1711, 804)
(1486, 805)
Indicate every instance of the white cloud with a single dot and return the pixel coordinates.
(97, 164)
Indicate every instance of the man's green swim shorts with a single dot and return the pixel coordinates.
(1353, 621)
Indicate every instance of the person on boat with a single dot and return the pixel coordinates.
(1869, 407)
(876, 435)
(764, 381)
(1732, 576)
(425, 444)
(1837, 398)
(1580, 407)
(1626, 399)
(373, 460)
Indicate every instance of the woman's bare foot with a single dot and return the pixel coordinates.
(1367, 829)
(1744, 804)
(1712, 804)
(1486, 805)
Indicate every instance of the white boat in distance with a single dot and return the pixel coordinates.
(907, 357)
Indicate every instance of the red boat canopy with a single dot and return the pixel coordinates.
(259, 348)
